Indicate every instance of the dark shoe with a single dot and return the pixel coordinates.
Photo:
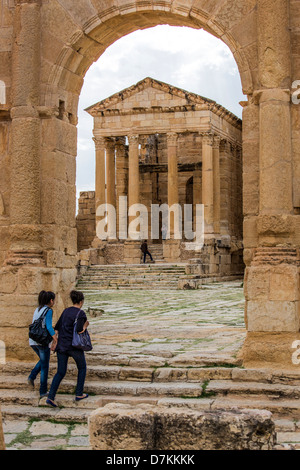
(31, 383)
(81, 398)
(51, 403)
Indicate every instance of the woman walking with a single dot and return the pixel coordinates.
(46, 302)
(64, 348)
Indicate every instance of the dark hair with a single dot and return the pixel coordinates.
(45, 298)
(76, 296)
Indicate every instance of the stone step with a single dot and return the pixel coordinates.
(67, 415)
(138, 267)
(280, 408)
(153, 369)
(133, 286)
(219, 387)
(135, 279)
(101, 387)
(286, 427)
(138, 382)
(124, 373)
(150, 276)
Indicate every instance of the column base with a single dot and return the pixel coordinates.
(271, 351)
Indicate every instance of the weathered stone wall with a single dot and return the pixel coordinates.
(121, 427)
(86, 220)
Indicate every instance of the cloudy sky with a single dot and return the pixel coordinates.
(190, 59)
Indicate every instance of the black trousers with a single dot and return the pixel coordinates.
(147, 253)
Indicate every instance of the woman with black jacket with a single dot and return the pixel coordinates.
(64, 327)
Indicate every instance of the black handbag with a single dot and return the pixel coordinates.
(81, 341)
(38, 331)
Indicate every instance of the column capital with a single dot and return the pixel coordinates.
(226, 145)
(99, 143)
(133, 139)
(216, 141)
(207, 139)
(172, 138)
(110, 143)
(121, 140)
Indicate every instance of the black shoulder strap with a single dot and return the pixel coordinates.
(45, 312)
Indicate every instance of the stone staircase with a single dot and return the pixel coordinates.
(200, 388)
(132, 276)
(156, 251)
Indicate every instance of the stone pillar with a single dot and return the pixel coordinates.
(25, 207)
(274, 105)
(121, 181)
(225, 187)
(272, 279)
(110, 183)
(276, 186)
(100, 191)
(217, 186)
(100, 172)
(197, 193)
(208, 183)
(133, 173)
(173, 197)
(250, 178)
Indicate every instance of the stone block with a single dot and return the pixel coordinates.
(146, 427)
(257, 283)
(8, 280)
(272, 316)
(284, 283)
(270, 350)
(16, 310)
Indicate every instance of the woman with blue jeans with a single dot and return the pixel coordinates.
(64, 349)
(46, 302)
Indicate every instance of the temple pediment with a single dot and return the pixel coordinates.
(149, 93)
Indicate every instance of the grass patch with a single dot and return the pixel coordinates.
(206, 394)
(222, 365)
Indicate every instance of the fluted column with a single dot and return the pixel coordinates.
(217, 187)
(208, 183)
(173, 196)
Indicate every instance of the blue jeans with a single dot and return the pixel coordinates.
(147, 253)
(41, 367)
(62, 364)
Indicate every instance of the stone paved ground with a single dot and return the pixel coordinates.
(45, 435)
(148, 328)
(180, 326)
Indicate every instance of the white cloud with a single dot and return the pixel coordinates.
(190, 59)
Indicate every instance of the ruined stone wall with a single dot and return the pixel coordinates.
(85, 220)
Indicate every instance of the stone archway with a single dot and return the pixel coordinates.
(39, 235)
